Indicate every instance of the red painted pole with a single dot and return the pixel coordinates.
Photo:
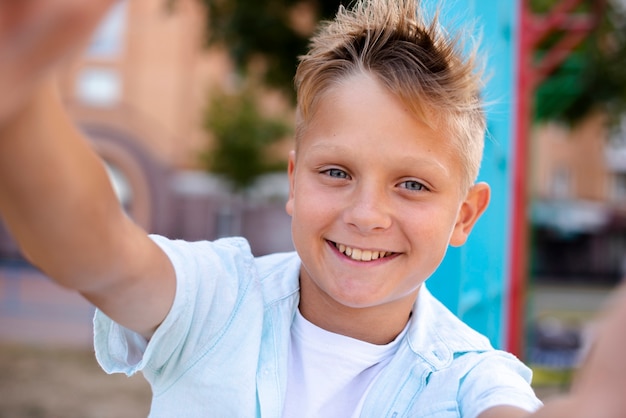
(533, 30)
(518, 257)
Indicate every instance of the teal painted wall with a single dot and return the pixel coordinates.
(472, 280)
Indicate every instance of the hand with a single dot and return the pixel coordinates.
(602, 378)
(598, 389)
(35, 36)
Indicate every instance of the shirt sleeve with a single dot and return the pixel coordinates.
(498, 378)
(211, 279)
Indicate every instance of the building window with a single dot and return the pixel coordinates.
(619, 187)
(561, 183)
(99, 87)
(107, 41)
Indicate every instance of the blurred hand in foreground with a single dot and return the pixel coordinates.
(35, 36)
(599, 390)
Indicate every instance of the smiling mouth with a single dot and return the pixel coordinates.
(359, 254)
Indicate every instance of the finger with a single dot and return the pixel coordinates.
(43, 29)
(35, 35)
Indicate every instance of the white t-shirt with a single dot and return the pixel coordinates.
(329, 374)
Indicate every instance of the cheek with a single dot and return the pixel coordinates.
(314, 202)
(310, 214)
(430, 226)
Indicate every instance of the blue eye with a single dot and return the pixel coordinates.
(336, 173)
(412, 185)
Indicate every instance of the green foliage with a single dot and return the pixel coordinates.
(593, 75)
(242, 135)
(252, 28)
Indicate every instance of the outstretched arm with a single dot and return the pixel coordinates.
(55, 195)
(599, 388)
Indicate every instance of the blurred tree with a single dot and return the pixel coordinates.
(241, 137)
(274, 31)
(592, 76)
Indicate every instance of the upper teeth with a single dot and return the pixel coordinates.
(362, 255)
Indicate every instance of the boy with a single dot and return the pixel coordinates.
(388, 144)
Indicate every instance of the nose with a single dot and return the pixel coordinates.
(368, 210)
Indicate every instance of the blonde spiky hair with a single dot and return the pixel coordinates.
(413, 58)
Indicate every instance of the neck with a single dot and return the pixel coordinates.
(378, 324)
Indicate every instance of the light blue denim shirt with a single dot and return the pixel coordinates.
(222, 350)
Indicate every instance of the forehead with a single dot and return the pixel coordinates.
(360, 117)
(356, 102)
(359, 105)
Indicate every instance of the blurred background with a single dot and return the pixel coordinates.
(190, 104)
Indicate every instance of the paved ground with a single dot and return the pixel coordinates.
(48, 370)
(65, 383)
(47, 365)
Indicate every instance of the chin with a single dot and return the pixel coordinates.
(355, 302)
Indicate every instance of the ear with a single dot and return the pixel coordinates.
(475, 203)
(291, 169)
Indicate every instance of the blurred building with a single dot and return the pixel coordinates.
(139, 92)
(578, 202)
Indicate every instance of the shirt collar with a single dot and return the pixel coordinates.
(436, 334)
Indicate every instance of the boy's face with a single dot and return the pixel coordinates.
(375, 199)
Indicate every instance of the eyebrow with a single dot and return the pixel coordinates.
(404, 161)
